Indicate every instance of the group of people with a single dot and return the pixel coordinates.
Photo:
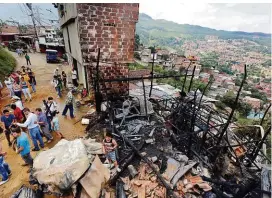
(36, 124)
(21, 52)
(59, 81)
(23, 84)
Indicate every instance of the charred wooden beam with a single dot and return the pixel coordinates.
(186, 74)
(266, 111)
(233, 109)
(261, 144)
(192, 78)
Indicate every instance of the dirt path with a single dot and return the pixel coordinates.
(43, 73)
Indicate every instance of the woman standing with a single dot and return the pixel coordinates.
(17, 90)
(74, 77)
(32, 80)
(64, 78)
(25, 89)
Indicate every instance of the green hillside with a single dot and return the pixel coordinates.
(169, 34)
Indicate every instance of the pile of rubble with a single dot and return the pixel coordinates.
(174, 148)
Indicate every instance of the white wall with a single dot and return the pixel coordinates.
(75, 49)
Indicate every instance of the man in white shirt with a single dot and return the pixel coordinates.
(9, 84)
(32, 124)
(74, 77)
(49, 107)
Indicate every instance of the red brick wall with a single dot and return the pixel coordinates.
(110, 27)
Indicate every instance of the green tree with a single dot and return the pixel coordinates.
(165, 57)
(153, 49)
(137, 55)
(244, 108)
(137, 41)
(238, 81)
(255, 93)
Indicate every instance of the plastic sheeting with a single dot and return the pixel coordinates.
(62, 165)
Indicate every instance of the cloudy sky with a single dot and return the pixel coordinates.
(249, 17)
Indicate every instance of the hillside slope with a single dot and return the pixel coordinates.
(169, 34)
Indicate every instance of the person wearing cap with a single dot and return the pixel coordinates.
(32, 124)
(69, 104)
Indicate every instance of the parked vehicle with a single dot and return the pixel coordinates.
(52, 56)
(12, 46)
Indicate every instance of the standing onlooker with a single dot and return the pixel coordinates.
(18, 113)
(42, 121)
(32, 124)
(49, 107)
(57, 85)
(8, 83)
(27, 57)
(18, 51)
(17, 90)
(25, 89)
(32, 80)
(74, 77)
(7, 119)
(18, 102)
(69, 102)
(55, 125)
(56, 72)
(23, 146)
(64, 78)
(109, 147)
(4, 167)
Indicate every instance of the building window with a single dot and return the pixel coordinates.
(68, 36)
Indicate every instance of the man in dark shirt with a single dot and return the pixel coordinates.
(7, 119)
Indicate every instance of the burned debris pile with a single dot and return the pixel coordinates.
(173, 145)
(172, 149)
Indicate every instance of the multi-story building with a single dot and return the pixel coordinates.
(109, 27)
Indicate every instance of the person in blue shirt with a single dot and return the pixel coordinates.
(7, 119)
(23, 146)
(5, 171)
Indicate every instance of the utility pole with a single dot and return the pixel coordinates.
(29, 5)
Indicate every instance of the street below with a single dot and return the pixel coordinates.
(70, 128)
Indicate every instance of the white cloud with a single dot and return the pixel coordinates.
(250, 17)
